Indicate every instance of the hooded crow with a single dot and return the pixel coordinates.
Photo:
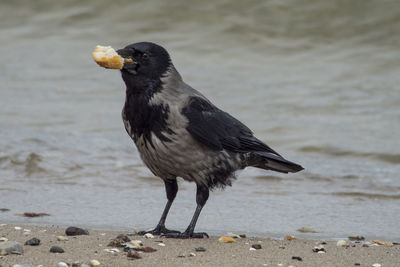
(180, 133)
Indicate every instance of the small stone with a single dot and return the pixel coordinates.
(290, 237)
(22, 265)
(396, 243)
(35, 214)
(148, 235)
(3, 239)
(282, 247)
(72, 231)
(200, 249)
(119, 241)
(341, 243)
(252, 249)
(161, 244)
(318, 249)
(62, 238)
(306, 230)
(234, 235)
(148, 249)
(4, 210)
(357, 264)
(84, 265)
(11, 247)
(192, 254)
(365, 245)
(94, 263)
(297, 258)
(56, 249)
(181, 256)
(62, 264)
(321, 252)
(17, 228)
(242, 236)
(32, 242)
(133, 255)
(356, 238)
(376, 265)
(226, 239)
(256, 246)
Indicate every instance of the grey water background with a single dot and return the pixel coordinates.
(316, 80)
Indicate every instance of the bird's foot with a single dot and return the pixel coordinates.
(159, 230)
(185, 235)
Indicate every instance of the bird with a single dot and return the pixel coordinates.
(179, 133)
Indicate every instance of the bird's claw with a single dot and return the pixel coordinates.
(186, 235)
(159, 230)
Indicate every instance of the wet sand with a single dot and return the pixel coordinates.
(85, 248)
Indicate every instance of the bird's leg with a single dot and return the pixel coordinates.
(201, 199)
(171, 188)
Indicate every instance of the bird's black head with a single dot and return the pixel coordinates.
(149, 62)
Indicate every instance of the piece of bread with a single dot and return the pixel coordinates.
(107, 57)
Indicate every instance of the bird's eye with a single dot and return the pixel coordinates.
(145, 56)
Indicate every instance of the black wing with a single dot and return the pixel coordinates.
(218, 130)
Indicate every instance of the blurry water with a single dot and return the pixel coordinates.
(316, 80)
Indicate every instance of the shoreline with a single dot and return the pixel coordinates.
(176, 252)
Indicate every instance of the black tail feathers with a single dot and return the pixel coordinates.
(270, 161)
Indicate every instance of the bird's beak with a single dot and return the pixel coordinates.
(130, 64)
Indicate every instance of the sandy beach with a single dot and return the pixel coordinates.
(94, 246)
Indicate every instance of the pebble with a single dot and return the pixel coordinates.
(72, 231)
(3, 239)
(252, 249)
(62, 238)
(379, 242)
(242, 236)
(33, 242)
(148, 235)
(256, 246)
(357, 264)
(3, 224)
(133, 254)
(290, 237)
(119, 241)
(226, 239)
(341, 243)
(233, 235)
(376, 265)
(84, 265)
(17, 228)
(56, 249)
(356, 238)
(22, 265)
(319, 249)
(161, 244)
(306, 230)
(297, 258)
(128, 246)
(148, 249)
(200, 249)
(94, 263)
(62, 264)
(192, 254)
(11, 247)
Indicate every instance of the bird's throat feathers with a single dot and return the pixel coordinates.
(145, 111)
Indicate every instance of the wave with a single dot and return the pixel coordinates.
(339, 152)
(30, 165)
(366, 195)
